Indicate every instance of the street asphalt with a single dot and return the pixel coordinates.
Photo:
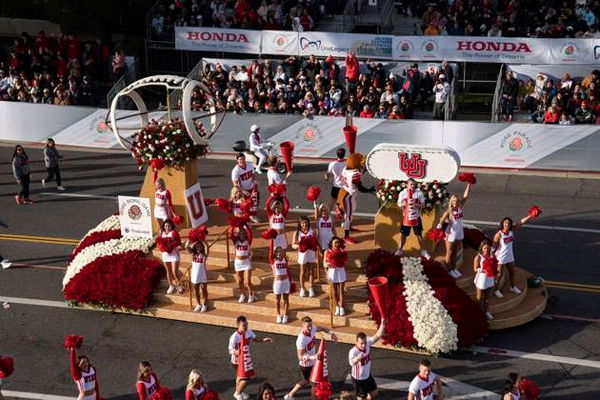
(115, 342)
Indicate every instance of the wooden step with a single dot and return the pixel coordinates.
(532, 305)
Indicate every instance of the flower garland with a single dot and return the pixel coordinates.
(167, 141)
(95, 237)
(434, 192)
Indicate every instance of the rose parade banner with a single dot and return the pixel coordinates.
(284, 43)
(196, 208)
(135, 216)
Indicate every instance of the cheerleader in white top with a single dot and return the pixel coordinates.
(359, 358)
(199, 251)
(325, 229)
(168, 242)
(485, 266)
(305, 241)
(236, 200)
(277, 215)
(147, 383)
(425, 383)
(196, 387)
(453, 217)
(503, 245)
(277, 186)
(242, 240)
(163, 204)
(335, 262)
(281, 283)
(84, 375)
(511, 388)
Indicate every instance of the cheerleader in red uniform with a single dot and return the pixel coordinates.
(306, 255)
(199, 251)
(168, 243)
(335, 262)
(277, 222)
(281, 283)
(147, 383)
(325, 228)
(485, 266)
(163, 204)
(196, 387)
(242, 239)
(236, 200)
(84, 375)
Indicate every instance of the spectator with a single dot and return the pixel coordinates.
(352, 68)
(551, 116)
(382, 112)
(564, 119)
(21, 171)
(509, 94)
(584, 114)
(366, 112)
(441, 90)
(396, 113)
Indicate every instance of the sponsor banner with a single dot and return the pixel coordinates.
(217, 39)
(196, 208)
(393, 161)
(280, 42)
(418, 48)
(135, 216)
(337, 44)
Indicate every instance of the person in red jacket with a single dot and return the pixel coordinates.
(352, 67)
(366, 112)
(147, 383)
(85, 377)
(196, 387)
(551, 116)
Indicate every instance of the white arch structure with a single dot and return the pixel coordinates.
(173, 82)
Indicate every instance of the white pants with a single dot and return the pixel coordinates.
(262, 157)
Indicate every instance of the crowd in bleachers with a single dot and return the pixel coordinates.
(60, 70)
(562, 101)
(312, 87)
(510, 18)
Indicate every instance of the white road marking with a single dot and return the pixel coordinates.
(535, 356)
(79, 195)
(36, 396)
(34, 302)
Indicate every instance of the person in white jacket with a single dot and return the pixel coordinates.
(256, 147)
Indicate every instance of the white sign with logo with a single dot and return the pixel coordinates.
(135, 216)
(392, 161)
(280, 42)
(216, 39)
(339, 44)
(195, 205)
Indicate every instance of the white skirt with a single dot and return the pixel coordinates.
(170, 257)
(307, 257)
(482, 281)
(280, 241)
(505, 259)
(160, 212)
(453, 235)
(336, 275)
(242, 265)
(281, 286)
(198, 273)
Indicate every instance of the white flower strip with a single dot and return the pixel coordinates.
(434, 329)
(108, 248)
(108, 224)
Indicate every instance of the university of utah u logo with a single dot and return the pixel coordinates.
(196, 206)
(413, 167)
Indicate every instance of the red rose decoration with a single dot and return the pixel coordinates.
(473, 237)
(73, 341)
(96, 237)
(198, 234)
(535, 212)
(313, 193)
(208, 202)
(436, 235)
(269, 234)
(467, 177)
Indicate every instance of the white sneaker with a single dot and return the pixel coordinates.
(204, 308)
(302, 292)
(284, 320)
(237, 396)
(399, 253)
(198, 308)
(498, 294)
(337, 310)
(254, 219)
(242, 298)
(244, 396)
(515, 290)
(288, 397)
(5, 264)
(311, 292)
(452, 273)
(171, 289)
(61, 188)
(43, 183)
(458, 273)
(342, 311)
(279, 319)
(251, 299)
(425, 254)
(489, 316)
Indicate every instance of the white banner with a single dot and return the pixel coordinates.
(216, 39)
(135, 216)
(280, 42)
(340, 44)
(195, 205)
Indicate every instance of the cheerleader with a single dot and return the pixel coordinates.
(453, 216)
(236, 199)
(147, 382)
(485, 267)
(281, 283)
(274, 176)
(325, 229)
(196, 387)
(171, 238)
(511, 388)
(163, 204)
(199, 252)
(335, 258)
(503, 245)
(307, 258)
(84, 375)
(243, 263)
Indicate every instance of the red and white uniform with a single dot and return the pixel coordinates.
(308, 343)
(517, 395)
(361, 370)
(198, 274)
(145, 390)
(335, 273)
(242, 260)
(411, 214)
(277, 221)
(308, 256)
(422, 388)
(484, 278)
(87, 382)
(454, 230)
(173, 256)
(162, 200)
(195, 394)
(281, 283)
(504, 253)
(234, 343)
(245, 176)
(351, 179)
(236, 207)
(335, 168)
(325, 231)
(273, 176)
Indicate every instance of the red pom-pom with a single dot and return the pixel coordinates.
(313, 193)
(157, 164)
(237, 222)
(467, 177)
(277, 189)
(307, 243)
(436, 235)
(490, 266)
(223, 205)
(246, 206)
(177, 219)
(211, 395)
(535, 211)
(530, 388)
(198, 234)
(269, 234)
(73, 341)
(323, 391)
(208, 202)
(166, 245)
(337, 257)
(162, 394)
(7, 366)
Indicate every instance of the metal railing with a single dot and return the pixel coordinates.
(352, 16)
(112, 93)
(497, 93)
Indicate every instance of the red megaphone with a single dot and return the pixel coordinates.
(378, 287)
(319, 371)
(350, 132)
(287, 152)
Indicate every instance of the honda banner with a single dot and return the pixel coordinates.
(216, 39)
